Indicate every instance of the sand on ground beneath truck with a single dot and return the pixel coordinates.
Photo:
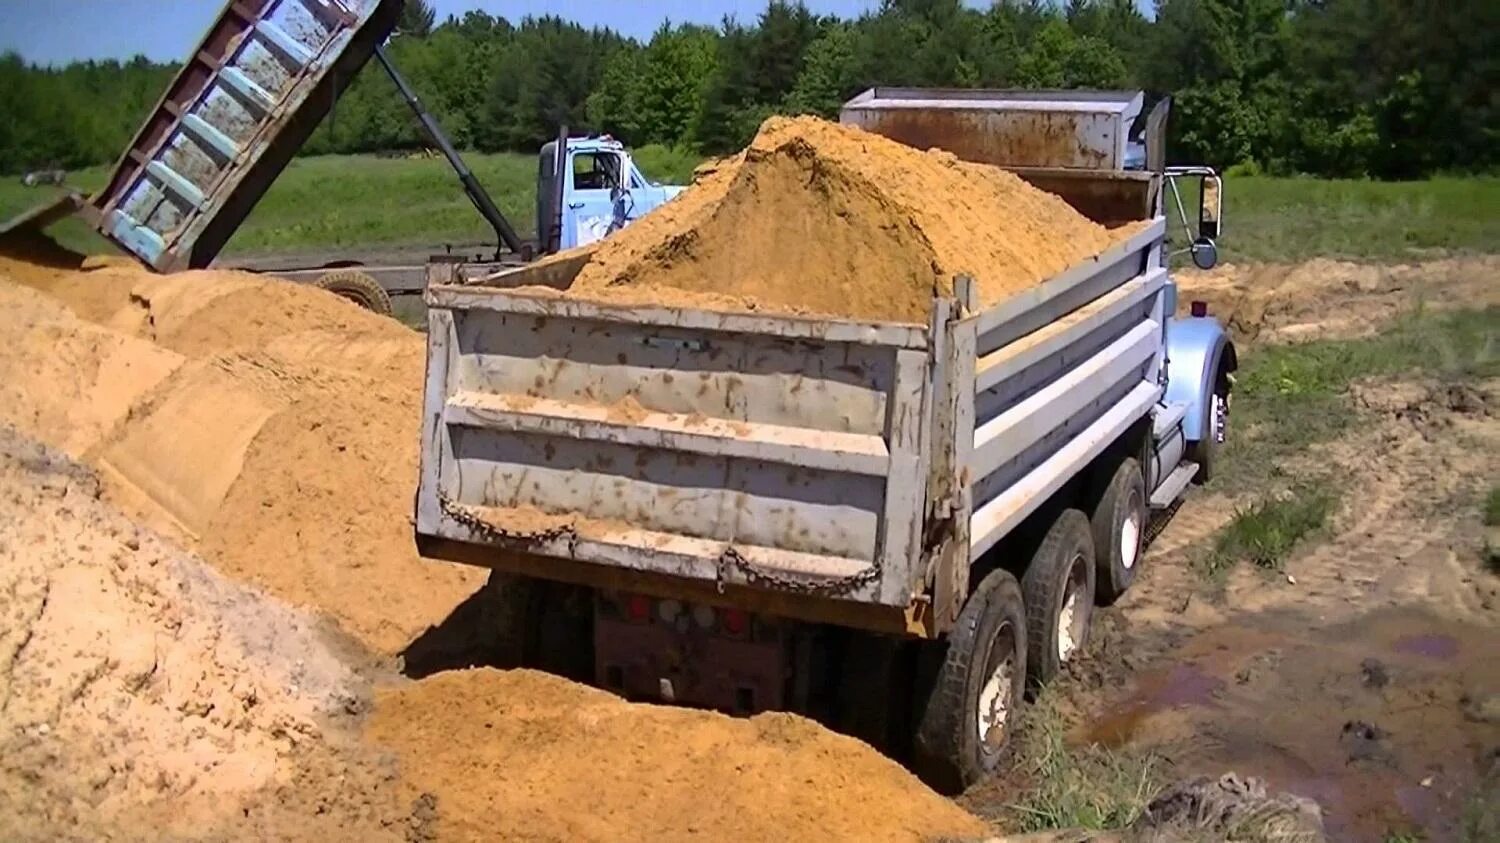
(821, 219)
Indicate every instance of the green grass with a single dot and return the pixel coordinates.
(1265, 532)
(1492, 508)
(338, 202)
(1289, 397)
(1078, 786)
(351, 202)
(1294, 219)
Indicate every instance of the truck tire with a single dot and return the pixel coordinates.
(1058, 587)
(964, 729)
(1205, 452)
(1118, 525)
(357, 287)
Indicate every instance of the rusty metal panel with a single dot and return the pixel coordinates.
(1078, 130)
(248, 96)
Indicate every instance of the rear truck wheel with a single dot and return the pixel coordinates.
(1118, 524)
(1205, 452)
(973, 708)
(357, 287)
(1059, 590)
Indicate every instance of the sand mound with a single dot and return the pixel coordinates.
(814, 217)
(534, 757)
(136, 682)
(272, 426)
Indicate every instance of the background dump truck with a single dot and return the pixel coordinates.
(893, 525)
(263, 76)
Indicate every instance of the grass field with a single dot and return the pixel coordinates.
(339, 202)
(336, 203)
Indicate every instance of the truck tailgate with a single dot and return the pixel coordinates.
(265, 74)
(736, 449)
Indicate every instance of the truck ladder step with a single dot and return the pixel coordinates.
(1171, 488)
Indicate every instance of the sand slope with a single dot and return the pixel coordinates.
(825, 219)
(271, 426)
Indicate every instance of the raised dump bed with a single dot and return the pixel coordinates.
(263, 77)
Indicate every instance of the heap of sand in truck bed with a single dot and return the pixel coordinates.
(818, 218)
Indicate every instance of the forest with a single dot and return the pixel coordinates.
(1386, 89)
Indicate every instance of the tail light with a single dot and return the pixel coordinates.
(638, 608)
(1199, 309)
(736, 621)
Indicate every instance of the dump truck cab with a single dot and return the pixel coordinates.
(600, 191)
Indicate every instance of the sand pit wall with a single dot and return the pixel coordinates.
(818, 218)
(271, 426)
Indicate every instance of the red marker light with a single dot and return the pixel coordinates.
(638, 608)
(736, 621)
(1200, 308)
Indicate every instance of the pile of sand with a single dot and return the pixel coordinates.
(818, 218)
(529, 756)
(139, 689)
(271, 426)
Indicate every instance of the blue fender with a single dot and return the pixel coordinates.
(1197, 348)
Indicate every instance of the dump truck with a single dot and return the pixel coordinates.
(263, 76)
(895, 525)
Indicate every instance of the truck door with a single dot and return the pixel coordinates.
(590, 213)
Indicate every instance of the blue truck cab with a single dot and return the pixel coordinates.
(597, 190)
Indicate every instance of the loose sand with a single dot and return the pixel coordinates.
(533, 757)
(271, 426)
(273, 429)
(824, 219)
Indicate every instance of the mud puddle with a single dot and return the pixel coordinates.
(1390, 721)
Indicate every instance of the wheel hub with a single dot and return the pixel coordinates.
(1071, 618)
(994, 702)
(1130, 539)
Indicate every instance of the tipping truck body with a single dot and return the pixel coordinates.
(258, 84)
(796, 500)
(264, 75)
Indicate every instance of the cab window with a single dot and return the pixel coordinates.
(596, 171)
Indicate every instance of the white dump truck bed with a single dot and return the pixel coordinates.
(828, 462)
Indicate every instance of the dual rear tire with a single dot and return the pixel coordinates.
(1013, 633)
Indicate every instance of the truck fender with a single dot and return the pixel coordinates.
(1200, 357)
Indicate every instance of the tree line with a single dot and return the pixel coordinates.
(1381, 88)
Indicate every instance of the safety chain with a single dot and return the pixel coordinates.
(825, 586)
(465, 516)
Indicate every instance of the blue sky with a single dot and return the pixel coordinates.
(59, 31)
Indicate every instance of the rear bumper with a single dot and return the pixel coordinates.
(913, 620)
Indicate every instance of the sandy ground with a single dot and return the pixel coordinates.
(146, 696)
(229, 497)
(208, 583)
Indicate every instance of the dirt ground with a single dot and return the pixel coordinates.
(1365, 675)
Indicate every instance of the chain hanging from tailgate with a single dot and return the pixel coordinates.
(729, 558)
(800, 585)
(466, 516)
